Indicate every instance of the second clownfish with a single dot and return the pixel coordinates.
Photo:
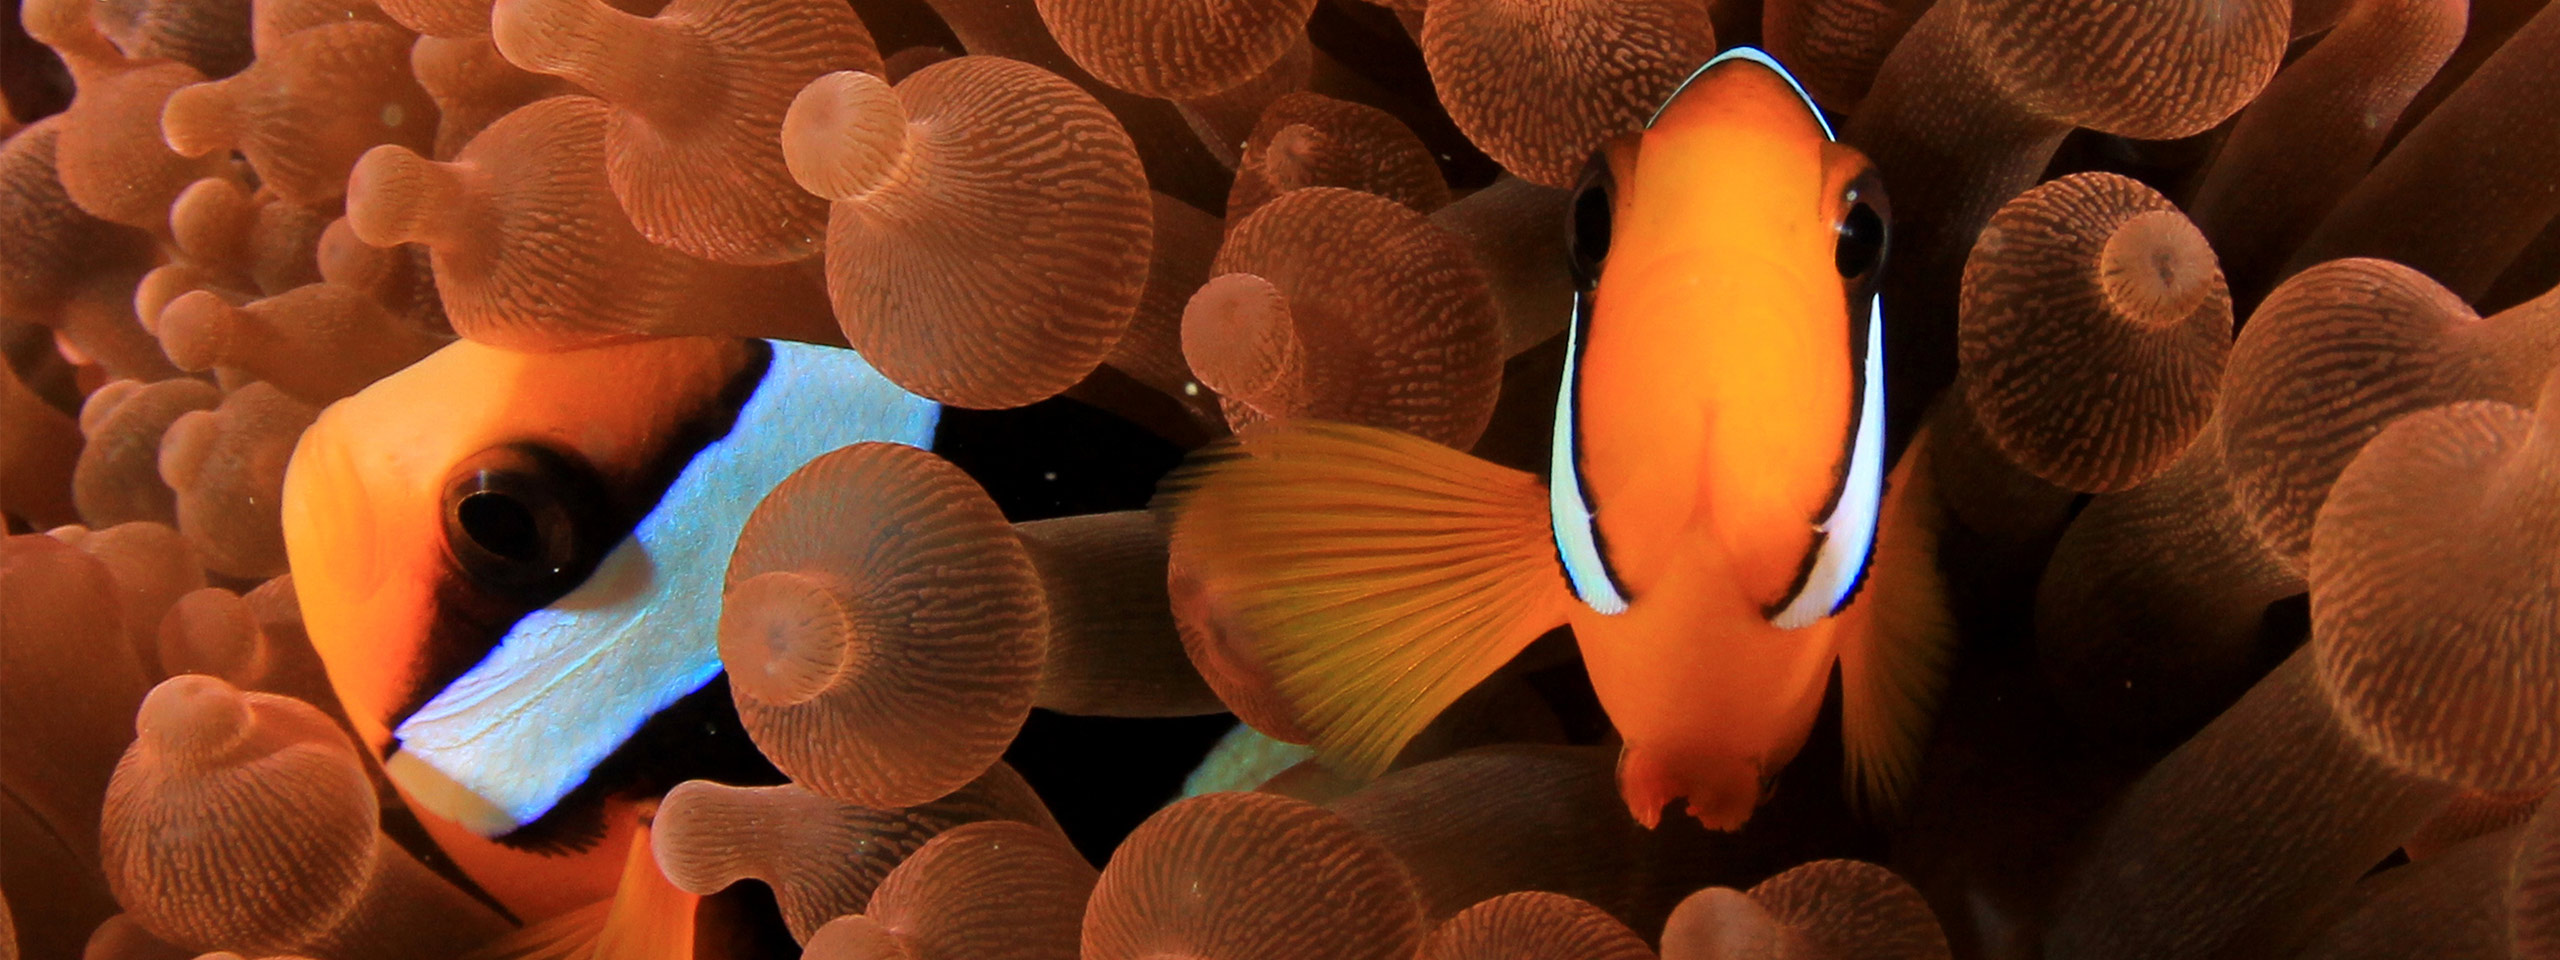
(1716, 526)
(511, 566)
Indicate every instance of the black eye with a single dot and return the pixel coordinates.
(517, 518)
(501, 524)
(1587, 235)
(1859, 253)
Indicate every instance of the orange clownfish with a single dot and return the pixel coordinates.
(1715, 526)
(511, 566)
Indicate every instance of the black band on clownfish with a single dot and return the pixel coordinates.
(511, 562)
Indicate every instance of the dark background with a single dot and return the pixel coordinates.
(1056, 458)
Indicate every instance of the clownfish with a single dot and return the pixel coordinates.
(1715, 526)
(511, 565)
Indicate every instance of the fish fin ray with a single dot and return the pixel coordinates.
(647, 919)
(1896, 640)
(568, 936)
(1362, 631)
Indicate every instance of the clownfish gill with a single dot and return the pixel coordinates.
(1716, 526)
(510, 563)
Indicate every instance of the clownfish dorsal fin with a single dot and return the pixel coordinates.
(1357, 579)
(1895, 640)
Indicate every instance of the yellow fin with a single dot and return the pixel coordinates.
(1895, 641)
(1363, 578)
(647, 919)
(569, 936)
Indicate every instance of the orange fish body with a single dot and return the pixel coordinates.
(510, 565)
(1710, 704)
(1708, 543)
(1711, 512)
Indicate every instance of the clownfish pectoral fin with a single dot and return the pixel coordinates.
(1895, 640)
(647, 919)
(568, 936)
(1354, 581)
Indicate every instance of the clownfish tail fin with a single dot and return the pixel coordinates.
(1896, 641)
(1341, 585)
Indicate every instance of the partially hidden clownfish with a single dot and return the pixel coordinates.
(1715, 527)
(511, 565)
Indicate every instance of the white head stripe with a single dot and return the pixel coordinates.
(1577, 541)
(574, 680)
(1849, 533)
(1755, 55)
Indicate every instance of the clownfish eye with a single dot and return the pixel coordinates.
(518, 518)
(1587, 233)
(1863, 232)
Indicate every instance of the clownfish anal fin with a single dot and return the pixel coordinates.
(1355, 581)
(1895, 639)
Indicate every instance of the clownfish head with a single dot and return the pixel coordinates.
(511, 563)
(1725, 373)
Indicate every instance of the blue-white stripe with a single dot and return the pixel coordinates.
(570, 683)
(1848, 533)
(1568, 511)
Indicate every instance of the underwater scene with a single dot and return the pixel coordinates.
(1280, 479)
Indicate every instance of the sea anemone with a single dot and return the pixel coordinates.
(957, 174)
(2487, 896)
(316, 342)
(823, 858)
(69, 686)
(2092, 331)
(695, 161)
(1540, 85)
(1827, 908)
(1519, 804)
(1401, 332)
(857, 674)
(1312, 140)
(2381, 333)
(153, 568)
(215, 770)
(2225, 332)
(112, 159)
(995, 889)
(531, 250)
(242, 242)
(887, 632)
(226, 466)
(302, 145)
(2432, 204)
(1533, 925)
(1251, 874)
(70, 270)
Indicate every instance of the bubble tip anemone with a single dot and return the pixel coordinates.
(844, 135)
